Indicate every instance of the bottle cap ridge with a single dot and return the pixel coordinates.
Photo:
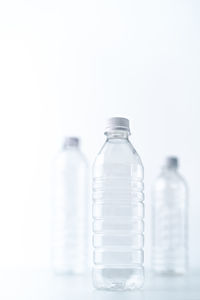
(171, 162)
(117, 123)
(71, 141)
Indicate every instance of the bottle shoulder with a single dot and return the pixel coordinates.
(169, 180)
(119, 151)
(70, 158)
(118, 159)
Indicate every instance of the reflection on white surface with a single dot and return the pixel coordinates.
(44, 285)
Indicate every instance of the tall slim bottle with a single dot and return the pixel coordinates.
(118, 211)
(169, 216)
(70, 232)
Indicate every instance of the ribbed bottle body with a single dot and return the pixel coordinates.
(118, 213)
(169, 216)
(70, 226)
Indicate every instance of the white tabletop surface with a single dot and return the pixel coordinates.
(43, 285)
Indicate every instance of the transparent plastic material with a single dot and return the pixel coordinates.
(169, 216)
(118, 213)
(70, 230)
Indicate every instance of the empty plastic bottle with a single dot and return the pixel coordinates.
(118, 212)
(169, 216)
(70, 234)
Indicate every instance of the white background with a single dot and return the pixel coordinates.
(66, 66)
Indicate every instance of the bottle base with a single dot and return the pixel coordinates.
(118, 279)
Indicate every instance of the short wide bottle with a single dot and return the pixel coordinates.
(169, 217)
(118, 212)
(70, 228)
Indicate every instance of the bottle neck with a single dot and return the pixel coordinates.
(170, 169)
(70, 147)
(117, 134)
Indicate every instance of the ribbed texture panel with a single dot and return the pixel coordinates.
(118, 226)
(170, 239)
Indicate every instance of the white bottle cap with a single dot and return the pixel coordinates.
(71, 141)
(117, 123)
(171, 162)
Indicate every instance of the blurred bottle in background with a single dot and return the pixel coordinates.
(71, 210)
(118, 212)
(169, 219)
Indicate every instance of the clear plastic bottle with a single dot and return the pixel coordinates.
(169, 216)
(70, 230)
(118, 212)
